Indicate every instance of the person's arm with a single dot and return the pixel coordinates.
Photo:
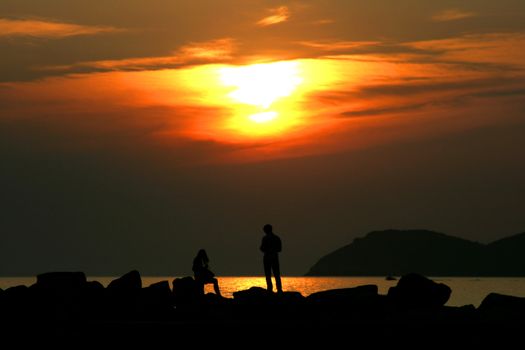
(263, 245)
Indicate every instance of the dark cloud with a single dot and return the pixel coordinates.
(386, 110)
(410, 88)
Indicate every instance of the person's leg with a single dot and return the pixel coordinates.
(277, 273)
(200, 286)
(216, 287)
(268, 273)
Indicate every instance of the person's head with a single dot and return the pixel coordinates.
(268, 229)
(202, 255)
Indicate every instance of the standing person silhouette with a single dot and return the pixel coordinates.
(271, 246)
(203, 275)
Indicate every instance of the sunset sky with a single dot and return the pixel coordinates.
(135, 132)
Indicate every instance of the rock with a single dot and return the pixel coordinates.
(122, 297)
(417, 291)
(61, 280)
(344, 294)
(258, 303)
(501, 301)
(500, 307)
(156, 301)
(185, 290)
(17, 303)
(17, 292)
(94, 286)
(129, 282)
(346, 300)
(252, 295)
(159, 293)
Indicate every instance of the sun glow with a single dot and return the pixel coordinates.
(264, 117)
(261, 96)
(262, 84)
(249, 103)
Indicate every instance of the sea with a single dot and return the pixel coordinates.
(465, 290)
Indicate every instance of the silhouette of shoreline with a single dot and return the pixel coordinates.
(65, 304)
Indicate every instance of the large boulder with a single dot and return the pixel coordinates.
(500, 307)
(344, 295)
(156, 301)
(186, 290)
(122, 297)
(347, 303)
(17, 303)
(130, 282)
(259, 303)
(253, 295)
(61, 280)
(158, 293)
(416, 291)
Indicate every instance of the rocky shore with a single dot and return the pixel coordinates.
(65, 306)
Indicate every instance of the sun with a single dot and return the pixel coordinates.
(259, 95)
(262, 84)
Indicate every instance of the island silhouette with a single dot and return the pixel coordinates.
(398, 252)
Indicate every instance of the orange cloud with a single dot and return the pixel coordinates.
(346, 101)
(452, 15)
(278, 15)
(48, 29)
(337, 45)
(209, 50)
(219, 50)
(324, 21)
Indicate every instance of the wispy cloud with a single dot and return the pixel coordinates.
(337, 45)
(41, 28)
(218, 50)
(493, 49)
(452, 15)
(277, 15)
(322, 22)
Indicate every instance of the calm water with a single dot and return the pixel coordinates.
(465, 290)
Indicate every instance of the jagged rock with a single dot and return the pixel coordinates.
(417, 291)
(159, 293)
(122, 297)
(94, 285)
(156, 301)
(129, 282)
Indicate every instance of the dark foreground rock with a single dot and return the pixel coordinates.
(66, 307)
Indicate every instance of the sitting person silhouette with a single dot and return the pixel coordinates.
(203, 275)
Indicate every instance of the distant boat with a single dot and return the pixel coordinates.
(390, 278)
